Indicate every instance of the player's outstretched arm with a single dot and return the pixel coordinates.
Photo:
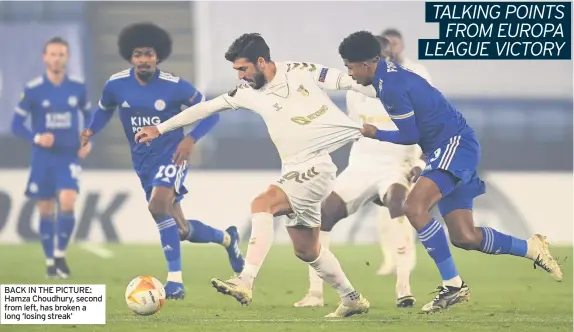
(185, 118)
(330, 78)
(204, 126)
(103, 114)
(401, 111)
(99, 120)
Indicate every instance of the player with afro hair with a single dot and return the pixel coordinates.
(144, 45)
(361, 53)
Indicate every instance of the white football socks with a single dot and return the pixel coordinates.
(262, 234)
(454, 282)
(175, 277)
(315, 281)
(386, 236)
(59, 253)
(404, 245)
(329, 269)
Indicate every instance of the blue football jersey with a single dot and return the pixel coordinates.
(405, 94)
(148, 105)
(59, 110)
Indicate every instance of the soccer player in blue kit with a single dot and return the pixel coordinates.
(146, 95)
(423, 116)
(57, 105)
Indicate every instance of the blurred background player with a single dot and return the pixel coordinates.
(450, 180)
(306, 126)
(147, 95)
(397, 48)
(378, 172)
(397, 53)
(57, 106)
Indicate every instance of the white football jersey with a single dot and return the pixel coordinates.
(368, 153)
(302, 120)
(418, 69)
(373, 154)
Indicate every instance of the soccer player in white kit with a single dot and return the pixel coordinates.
(306, 126)
(379, 173)
(397, 47)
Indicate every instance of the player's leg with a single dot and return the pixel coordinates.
(352, 190)
(306, 198)
(65, 229)
(332, 210)
(68, 173)
(197, 232)
(388, 265)
(402, 242)
(160, 206)
(308, 248)
(457, 213)
(41, 187)
(423, 196)
(273, 202)
(47, 210)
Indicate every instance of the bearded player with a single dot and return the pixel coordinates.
(378, 172)
(144, 95)
(306, 126)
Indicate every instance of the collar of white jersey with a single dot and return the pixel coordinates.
(279, 81)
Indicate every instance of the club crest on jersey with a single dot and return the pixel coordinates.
(73, 101)
(323, 75)
(159, 105)
(303, 91)
(45, 103)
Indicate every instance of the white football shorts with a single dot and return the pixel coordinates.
(307, 185)
(358, 186)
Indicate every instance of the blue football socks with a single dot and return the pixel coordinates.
(169, 236)
(202, 233)
(496, 243)
(47, 237)
(434, 240)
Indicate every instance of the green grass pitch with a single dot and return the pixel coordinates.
(507, 293)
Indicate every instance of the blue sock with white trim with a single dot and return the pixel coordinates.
(169, 236)
(496, 243)
(202, 233)
(434, 240)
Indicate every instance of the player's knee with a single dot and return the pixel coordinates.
(396, 208)
(267, 203)
(46, 209)
(307, 253)
(159, 207)
(395, 200)
(327, 221)
(67, 200)
(413, 209)
(467, 239)
(333, 210)
(67, 208)
(327, 226)
(260, 204)
(183, 229)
